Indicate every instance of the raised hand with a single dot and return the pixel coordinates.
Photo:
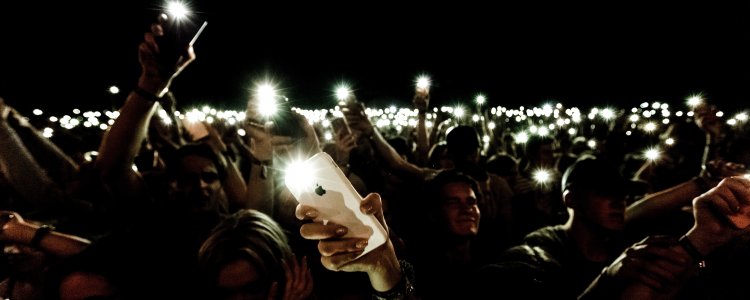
(155, 78)
(342, 254)
(299, 281)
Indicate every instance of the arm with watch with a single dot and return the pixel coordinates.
(390, 278)
(14, 229)
(721, 214)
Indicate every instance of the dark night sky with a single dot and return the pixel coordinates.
(61, 56)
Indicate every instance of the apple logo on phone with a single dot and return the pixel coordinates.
(319, 190)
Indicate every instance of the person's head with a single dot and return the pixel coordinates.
(595, 194)
(196, 174)
(503, 165)
(540, 151)
(463, 144)
(453, 200)
(438, 157)
(242, 257)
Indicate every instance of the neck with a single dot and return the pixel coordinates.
(592, 244)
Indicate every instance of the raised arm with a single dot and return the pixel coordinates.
(355, 116)
(120, 145)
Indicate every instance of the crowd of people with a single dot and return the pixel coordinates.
(177, 205)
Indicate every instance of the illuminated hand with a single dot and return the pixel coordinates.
(340, 254)
(155, 78)
(345, 143)
(357, 118)
(421, 100)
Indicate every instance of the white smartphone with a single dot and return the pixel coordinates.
(318, 182)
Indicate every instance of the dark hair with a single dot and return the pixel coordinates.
(197, 149)
(246, 235)
(434, 187)
(462, 140)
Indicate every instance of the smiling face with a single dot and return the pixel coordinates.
(198, 183)
(460, 209)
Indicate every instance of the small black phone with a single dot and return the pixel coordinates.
(179, 34)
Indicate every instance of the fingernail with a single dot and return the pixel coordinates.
(361, 244)
(341, 230)
(311, 214)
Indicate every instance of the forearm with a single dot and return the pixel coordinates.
(55, 243)
(669, 200)
(423, 142)
(392, 159)
(234, 186)
(60, 167)
(121, 144)
(23, 172)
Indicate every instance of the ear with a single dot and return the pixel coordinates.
(569, 199)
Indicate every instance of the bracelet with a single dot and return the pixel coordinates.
(690, 249)
(146, 95)
(404, 288)
(40, 233)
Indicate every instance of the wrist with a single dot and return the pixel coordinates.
(403, 288)
(385, 275)
(701, 244)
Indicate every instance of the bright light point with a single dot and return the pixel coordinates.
(491, 125)
(76, 111)
(649, 127)
(690, 114)
(299, 175)
(591, 144)
(652, 154)
(694, 100)
(747, 176)
(522, 138)
(177, 10)
(266, 99)
(607, 113)
(475, 118)
(732, 122)
(628, 133)
(571, 131)
(719, 114)
(669, 141)
(542, 131)
(656, 105)
(741, 116)
(47, 132)
(486, 139)
(103, 126)
(678, 113)
(114, 90)
(325, 123)
(328, 136)
(481, 99)
(458, 112)
(343, 93)
(53, 119)
(423, 83)
(634, 118)
(644, 104)
(542, 176)
(37, 112)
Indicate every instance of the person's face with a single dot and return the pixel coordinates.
(460, 209)
(240, 280)
(198, 182)
(605, 211)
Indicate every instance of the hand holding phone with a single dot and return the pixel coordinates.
(319, 183)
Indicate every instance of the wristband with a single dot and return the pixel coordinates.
(404, 288)
(692, 250)
(40, 233)
(146, 95)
